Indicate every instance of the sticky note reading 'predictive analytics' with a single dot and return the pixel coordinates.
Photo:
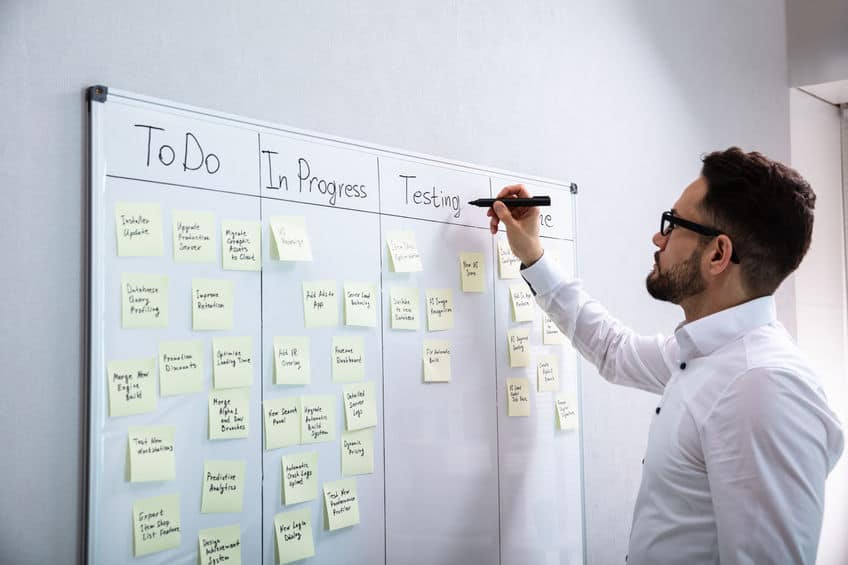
(156, 524)
(229, 412)
(348, 354)
(291, 361)
(241, 245)
(293, 532)
(518, 345)
(282, 422)
(289, 239)
(131, 386)
(317, 418)
(151, 453)
(341, 504)
(180, 367)
(439, 309)
(360, 404)
(223, 486)
(508, 264)
(211, 304)
(358, 452)
(403, 302)
(360, 304)
(194, 236)
(522, 303)
(472, 272)
(437, 361)
(138, 226)
(232, 362)
(518, 397)
(144, 301)
(403, 252)
(566, 409)
(547, 373)
(320, 305)
(220, 545)
(300, 477)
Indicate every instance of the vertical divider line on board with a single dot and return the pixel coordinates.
(261, 359)
(382, 362)
(495, 260)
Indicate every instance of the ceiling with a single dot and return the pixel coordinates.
(835, 92)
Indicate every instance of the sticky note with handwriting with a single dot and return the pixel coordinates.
(472, 272)
(151, 453)
(289, 239)
(156, 524)
(241, 244)
(212, 304)
(439, 309)
(522, 303)
(360, 304)
(403, 302)
(293, 532)
(300, 477)
(291, 360)
(341, 504)
(508, 264)
(550, 332)
(317, 418)
(282, 422)
(566, 409)
(223, 486)
(320, 304)
(180, 367)
(220, 545)
(360, 404)
(229, 413)
(132, 389)
(518, 397)
(348, 360)
(403, 252)
(144, 301)
(547, 373)
(194, 236)
(437, 360)
(518, 345)
(232, 362)
(138, 226)
(358, 452)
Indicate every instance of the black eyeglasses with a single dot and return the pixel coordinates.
(669, 221)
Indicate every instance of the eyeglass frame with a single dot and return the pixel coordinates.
(674, 221)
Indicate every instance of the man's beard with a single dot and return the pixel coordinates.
(678, 282)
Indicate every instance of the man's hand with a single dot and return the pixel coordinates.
(522, 225)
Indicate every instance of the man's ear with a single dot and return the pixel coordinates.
(722, 249)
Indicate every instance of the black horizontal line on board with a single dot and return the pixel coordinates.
(314, 204)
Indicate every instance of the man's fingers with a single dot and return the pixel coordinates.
(504, 214)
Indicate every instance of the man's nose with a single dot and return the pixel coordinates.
(660, 240)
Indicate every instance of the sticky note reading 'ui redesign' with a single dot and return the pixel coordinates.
(291, 360)
(293, 531)
(289, 239)
(547, 373)
(358, 452)
(194, 237)
(360, 304)
(282, 422)
(223, 486)
(518, 397)
(180, 367)
(241, 245)
(403, 252)
(317, 418)
(566, 409)
(437, 361)
(131, 386)
(229, 413)
(518, 345)
(232, 362)
(144, 301)
(472, 272)
(341, 504)
(300, 477)
(220, 545)
(550, 332)
(360, 406)
(138, 226)
(320, 305)
(211, 304)
(151, 453)
(522, 303)
(403, 302)
(348, 354)
(156, 524)
(439, 309)
(508, 264)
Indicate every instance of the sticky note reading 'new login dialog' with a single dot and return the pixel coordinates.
(293, 532)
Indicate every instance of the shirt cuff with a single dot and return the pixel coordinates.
(543, 275)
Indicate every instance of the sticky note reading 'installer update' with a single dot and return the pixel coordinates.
(139, 229)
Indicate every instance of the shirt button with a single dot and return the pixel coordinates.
(643, 461)
(683, 366)
(658, 409)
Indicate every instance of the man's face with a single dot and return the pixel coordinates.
(677, 264)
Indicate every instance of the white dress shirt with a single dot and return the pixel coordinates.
(742, 439)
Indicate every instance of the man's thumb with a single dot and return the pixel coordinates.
(503, 213)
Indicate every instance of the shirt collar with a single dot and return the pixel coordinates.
(707, 334)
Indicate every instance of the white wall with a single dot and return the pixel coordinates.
(817, 37)
(820, 288)
(619, 96)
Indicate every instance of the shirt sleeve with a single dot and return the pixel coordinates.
(621, 356)
(769, 442)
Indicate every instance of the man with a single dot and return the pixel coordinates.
(743, 438)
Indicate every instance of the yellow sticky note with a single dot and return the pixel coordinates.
(348, 359)
(522, 303)
(518, 345)
(229, 413)
(211, 304)
(223, 486)
(194, 236)
(555, 256)
(289, 239)
(144, 301)
(547, 373)
(151, 453)
(360, 304)
(550, 332)
(439, 309)
(341, 504)
(566, 409)
(300, 477)
(293, 531)
(291, 361)
(360, 404)
(508, 264)
(139, 229)
(518, 397)
(131, 386)
(403, 252)
(156, 524)
(472, 272)
(320, 305)
(404, 308)
(317, 418)
(358, 452)
(282, 422)
(241, 245)
(232, 362)
(220, 545)
(437, 361)
(180, 367)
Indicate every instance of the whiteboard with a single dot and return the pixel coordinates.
(455, 480)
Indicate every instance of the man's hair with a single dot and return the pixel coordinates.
(766, 208)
